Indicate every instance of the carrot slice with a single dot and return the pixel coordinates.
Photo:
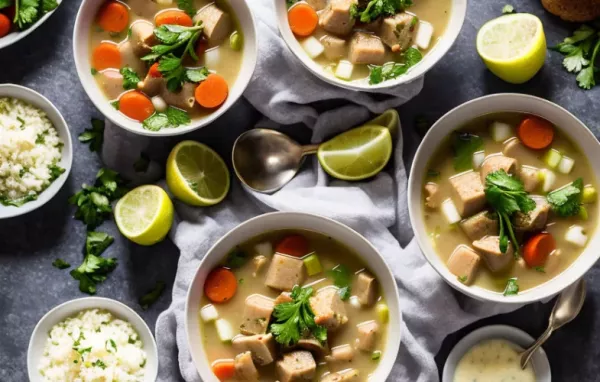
(212, 92)
(113, 17)
(220, 285)
(154, 72)
(173, 17)
(535, 133)
(303, 19)
(293, 245)
(224, 369)
(5, 25)
(538, 248)
(106, 55)
(136, 106)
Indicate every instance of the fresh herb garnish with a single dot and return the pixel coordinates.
(508, 9)
(94, 136)
(376, 355)
(55, 172)
(60, 264)
(237, 258)
(464, 145)
(392, 70)
(462, 279)
(187, 6)
(512, 287)
(130, 78)
(540, 269)
(295, 319)
(580, 51)
(142, 163)
(99, 363)
(566, 201)
(115, 104)
(111, 346)
(17, 202)
(152, 296)
(342, 278)
(93, 71)
(376, 8)
(507, 195)
(94, 268)
(173, 117)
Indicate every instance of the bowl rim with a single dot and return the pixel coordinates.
(62, 128)
(22, 34)
(489, 102)
(92, 301)
(249, 61)
(458, 12)
(390, 353)
(512, 334)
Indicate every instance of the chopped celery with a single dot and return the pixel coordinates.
(236, 41)
(565, 165)
(383, 312)
(313, 265)
(552, 158)
(583, 214)
(589, 194)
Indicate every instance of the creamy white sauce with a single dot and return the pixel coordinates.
(493, 361)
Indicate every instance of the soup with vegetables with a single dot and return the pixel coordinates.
(164, 66)
(293, 305)
(510, 202)
(368, 40)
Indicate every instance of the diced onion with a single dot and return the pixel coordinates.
(224, 330)
(209, 313)
(552, 158)
(478, 158)
(565, 165)
(575, 235)
(344, 70)
(265, 249)
(549, 180)
(159, 103)
(212, 58)
(424, 35)
(450, 212)
(313, 47)
(500, 131)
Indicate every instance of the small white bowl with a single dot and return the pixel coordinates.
(14, 37)
(71, 308)
(517, 336)
(41, 102)
(456, 19)
(293, 220)
(81, 53)
(458, 117)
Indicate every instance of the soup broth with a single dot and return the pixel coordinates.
(447, 237)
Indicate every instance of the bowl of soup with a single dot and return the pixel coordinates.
(293, 296)
(155, 69)
(361, 45)
(502, 198)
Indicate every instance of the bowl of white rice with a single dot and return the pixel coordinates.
(92, 339)
(35, 150)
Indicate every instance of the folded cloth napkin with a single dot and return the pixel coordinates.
(285, 92)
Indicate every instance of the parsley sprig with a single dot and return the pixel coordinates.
(28, 12)
(130, 78)
(378, 8)
(94, 136)
(506, 194)
(581, 50)
(378, 74)
(296, 319)
(94, 268)
(172, 117)
(566, 201)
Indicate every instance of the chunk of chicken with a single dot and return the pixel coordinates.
(495, 163)
(296, 366)
(467, 193)
(534, 220)
(335, 47)
(142, 37)
(336, 18)
(342, 353)
(366, 48)
(367, 335)
(398, 31)
(530, 178)
(434, 195)
(328, 308)
(479, 225)
(464, 263)
(111, 82)
(342, 376)
(216, 24)
(244, 367)
(489, 248)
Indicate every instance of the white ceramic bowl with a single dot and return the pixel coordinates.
(14, 37)
(292, 220)
(458, 117)
(81, 52)
(457, 15)
(71, 308)
(41, 102)
(517, 336)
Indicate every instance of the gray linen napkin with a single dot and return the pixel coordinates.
(284, 91)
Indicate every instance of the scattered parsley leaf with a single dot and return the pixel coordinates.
(130, 78)
(566, 201)
(27, 12)
(392, 70)
(462, 279)
(236, 258)
(376, 8)
(99, 363)
(197, 75)
(115, 104)
(60, 264)
(49, 5)
(152, 296)
(187, 6)
(463, 146)
(94, 136)
(512, 287)
(540, 269)
(18, 202)
(5, 3)
(173, 117)
(55, 172)
(94, 268)
(97, 242)
(156, 122)
(580, 52)
(376, 355)
(342, 278)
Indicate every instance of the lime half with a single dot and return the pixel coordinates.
(358, 153)
(196, 174)
(513, 47)
(145, 215)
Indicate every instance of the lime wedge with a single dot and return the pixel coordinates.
(513, 47)
(358, 153)
(144, 215)
(196, 174)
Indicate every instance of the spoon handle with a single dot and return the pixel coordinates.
(309, 149)
(527, 354)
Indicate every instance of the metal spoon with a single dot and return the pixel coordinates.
(567, 307)
(265, 160)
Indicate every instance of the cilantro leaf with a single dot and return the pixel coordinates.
(156, 122)
(5, 3)
(197, 75)
(94, 136)
(173, 117)
(17, 202)
(97, 242)
(582, 33)
(236, 258)
(60, 264)
(152, 296)
(55, 172)
(94, 268)
(464, 145)
(508, 9)
(49, 5)
(512, 287)
(377, 8)
(586, 78)
(392, 70)
(574, 61)
(26, 13)
(342, 278)
(130, 78)
(187, 6)
(177, 117)
(566, 201)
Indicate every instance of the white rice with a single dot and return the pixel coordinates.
(29, 148)
(93, 346)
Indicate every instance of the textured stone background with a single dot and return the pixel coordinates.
(30, 286)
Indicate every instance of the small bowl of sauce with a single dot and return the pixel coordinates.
(492, 354)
